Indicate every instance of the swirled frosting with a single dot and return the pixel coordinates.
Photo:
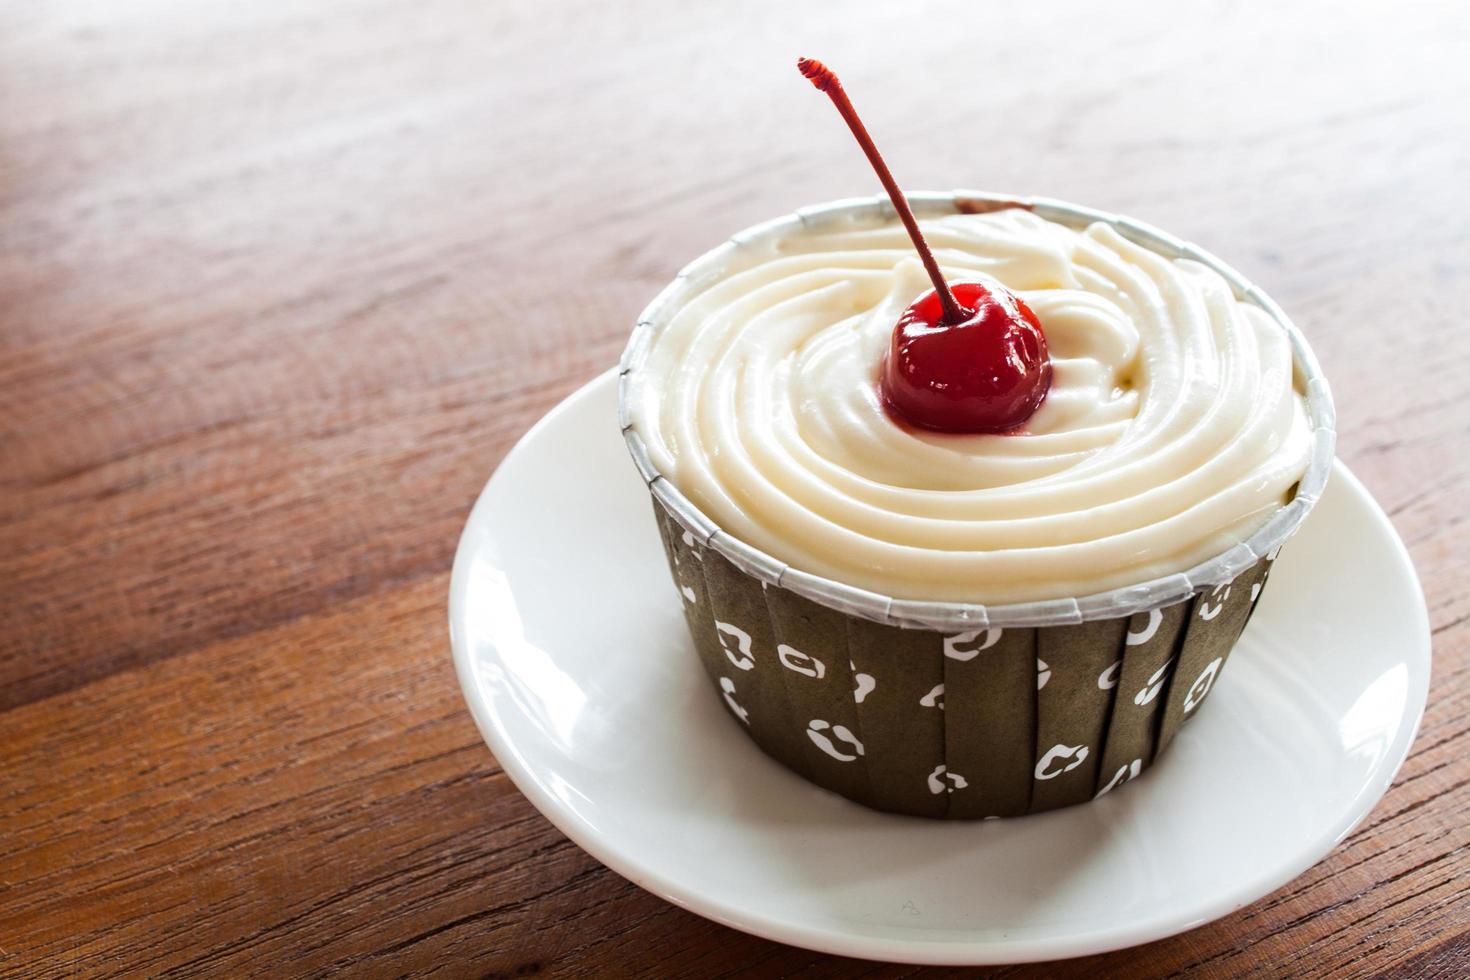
(1175, 426)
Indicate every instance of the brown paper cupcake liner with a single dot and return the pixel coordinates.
(957, 710)
(978, 723)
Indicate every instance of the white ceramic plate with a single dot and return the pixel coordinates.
(572, 652)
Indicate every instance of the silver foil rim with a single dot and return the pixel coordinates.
(952, 616)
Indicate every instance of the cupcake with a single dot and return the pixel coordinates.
(944, 620)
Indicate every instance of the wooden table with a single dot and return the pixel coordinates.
(281, 283)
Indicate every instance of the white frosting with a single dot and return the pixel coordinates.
(1174, 427)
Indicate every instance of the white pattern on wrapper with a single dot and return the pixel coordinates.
(1076, 754)
(964, 646)
(1209, 611)
(864, 682)
(1155, 617)
(1154, 685)
(817, 730)
(1108, 679)
(793, 659)
(1202, 685)
(742, 640)
(1043, 674)
(1124, 773)
(941, 780)
(728, 687)
(684, 589)
(935, 698)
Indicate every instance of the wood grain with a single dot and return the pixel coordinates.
(280, 283)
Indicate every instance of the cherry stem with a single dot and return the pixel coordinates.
(823, 78)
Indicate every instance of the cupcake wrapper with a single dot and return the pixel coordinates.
(982, 723)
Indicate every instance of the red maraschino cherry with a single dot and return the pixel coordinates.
(968, 359)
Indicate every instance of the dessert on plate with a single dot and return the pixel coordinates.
(966, 496)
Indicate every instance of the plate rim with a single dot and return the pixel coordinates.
(928, 951)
